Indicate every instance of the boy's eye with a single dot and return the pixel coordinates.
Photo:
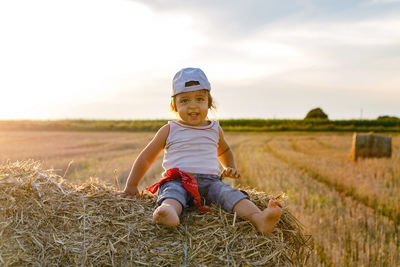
(200, 99)
(184, 100)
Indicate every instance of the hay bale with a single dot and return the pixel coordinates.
(46, 221)
(371, 145)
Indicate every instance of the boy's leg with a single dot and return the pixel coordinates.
(264, 220)
(168, 213)
(172, 198)
(231, 199)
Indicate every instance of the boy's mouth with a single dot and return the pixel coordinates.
(193, 114)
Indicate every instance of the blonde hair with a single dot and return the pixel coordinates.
(211, 105)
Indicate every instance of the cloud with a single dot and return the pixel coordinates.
(248, 40)
(119, 56)
(382, 31)
(343, 51)
(237, 19)
(227, 19)
(377, 2)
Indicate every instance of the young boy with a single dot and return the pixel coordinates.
(194, 147)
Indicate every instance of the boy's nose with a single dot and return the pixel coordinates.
(192, 104)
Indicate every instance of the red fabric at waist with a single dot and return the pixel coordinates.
(188, 182)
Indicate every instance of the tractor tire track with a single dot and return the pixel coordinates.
(339, 225)
(385, 210)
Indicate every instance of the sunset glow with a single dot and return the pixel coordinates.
(116, 59)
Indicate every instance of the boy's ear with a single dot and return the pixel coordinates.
(172, 105)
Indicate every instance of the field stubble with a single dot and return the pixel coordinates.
(350, 208)
(80, 155)
(345, 230)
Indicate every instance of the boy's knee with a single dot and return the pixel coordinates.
(172, 190)
(225, 195)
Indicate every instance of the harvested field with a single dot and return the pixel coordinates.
(350, 208)
(46, 221)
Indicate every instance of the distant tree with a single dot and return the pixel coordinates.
(386, 117)
(316, 113)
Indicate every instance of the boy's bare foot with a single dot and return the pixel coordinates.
(265, 220)
(166, 215)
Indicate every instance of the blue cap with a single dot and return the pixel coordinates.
(188, 80)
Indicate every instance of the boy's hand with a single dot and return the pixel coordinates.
(131, 192)
(230, 172)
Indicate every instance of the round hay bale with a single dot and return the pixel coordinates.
(370, 146)
(47, 221)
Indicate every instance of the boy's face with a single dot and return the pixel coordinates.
(192, 107)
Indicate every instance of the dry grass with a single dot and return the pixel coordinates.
(349, 208)
(374, 182)
(46, 221)
(345, 230)
(89, 154)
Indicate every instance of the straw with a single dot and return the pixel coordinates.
(44, 221)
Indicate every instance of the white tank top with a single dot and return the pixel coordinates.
(192, 149)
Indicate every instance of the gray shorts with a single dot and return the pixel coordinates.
(210, 187)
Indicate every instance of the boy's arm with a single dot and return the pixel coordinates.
(226, 158)
(144, 161)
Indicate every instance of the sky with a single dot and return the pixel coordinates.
(115, 59)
